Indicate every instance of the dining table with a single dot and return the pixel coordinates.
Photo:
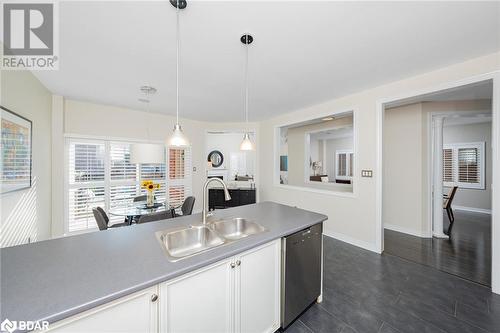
(134, 210)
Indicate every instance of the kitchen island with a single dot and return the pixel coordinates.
(56, 279)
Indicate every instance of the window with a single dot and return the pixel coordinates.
(99, 173)
(463, 165)
(344, 161)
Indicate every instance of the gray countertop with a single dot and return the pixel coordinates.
(55, 279)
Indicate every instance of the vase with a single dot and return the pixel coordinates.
(150, 199)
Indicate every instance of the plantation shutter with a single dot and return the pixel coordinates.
(85, 182)
(448, 169)
(16, 159)
(469, 165)
(156, 173)
(351, 163)
(123, 178)
(179, 175)
(342, 165)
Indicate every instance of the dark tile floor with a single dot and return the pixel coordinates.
(367, 292)
(466, 254)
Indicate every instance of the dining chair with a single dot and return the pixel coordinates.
(447, 201)
(102, 219)
(187, 206)
(167, 214)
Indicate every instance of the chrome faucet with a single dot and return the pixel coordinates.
(227, 197)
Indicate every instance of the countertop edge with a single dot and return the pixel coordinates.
(112, 297)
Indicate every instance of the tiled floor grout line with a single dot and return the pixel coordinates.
(456, 306)
(305, 325)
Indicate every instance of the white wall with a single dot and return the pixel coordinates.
(229, 145)
(27, 213)
(354, 218)
(95, 120)
(472, 198)
(405, 169)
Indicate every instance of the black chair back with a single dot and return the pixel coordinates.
(187, 206)
(100, 218)
(167, 214)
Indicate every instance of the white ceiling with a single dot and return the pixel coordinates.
(303, 53)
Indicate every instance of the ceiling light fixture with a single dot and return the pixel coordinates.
(246, 144)
(147, 153)
(327, 118)
(178, 138)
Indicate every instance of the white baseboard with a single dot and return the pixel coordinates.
(472, 209)
(408, 231)
(350, 240)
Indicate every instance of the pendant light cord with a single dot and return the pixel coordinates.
(246, 82)
(177, 66)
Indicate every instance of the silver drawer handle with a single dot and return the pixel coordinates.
(154, 298)
(238, 262)
(232, 265)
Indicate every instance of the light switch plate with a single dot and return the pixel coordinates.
(367, 173)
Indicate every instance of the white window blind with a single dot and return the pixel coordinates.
(99, 173)
(179, 175)
(85, 183)
(344, 161)
(463, 165)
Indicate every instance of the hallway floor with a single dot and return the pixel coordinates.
(367, 292)
(466, 254)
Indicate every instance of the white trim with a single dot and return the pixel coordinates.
(317, 190)
(408, 231)
(472, 209)
(495, 225)
(347, 239)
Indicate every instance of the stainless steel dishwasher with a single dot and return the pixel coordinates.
(300, 272)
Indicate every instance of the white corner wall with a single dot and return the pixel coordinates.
(354, 219)
(26, 214)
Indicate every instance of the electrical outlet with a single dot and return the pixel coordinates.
(367, 173)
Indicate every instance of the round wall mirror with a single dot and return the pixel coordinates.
(216, 158)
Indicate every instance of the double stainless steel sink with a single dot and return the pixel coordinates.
(185, 242)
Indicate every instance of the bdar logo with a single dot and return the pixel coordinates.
(8, 326)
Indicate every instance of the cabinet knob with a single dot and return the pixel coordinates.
(154, 298)
(238, 262)
(232, 265)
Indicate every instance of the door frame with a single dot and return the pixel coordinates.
(495, 136)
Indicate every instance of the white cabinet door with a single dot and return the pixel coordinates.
(258, 289)
(202, 301)
(134, 313)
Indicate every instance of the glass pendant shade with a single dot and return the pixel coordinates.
(246, 144)
(147, 153)
(178, 139)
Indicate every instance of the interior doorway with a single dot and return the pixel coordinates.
(436, 206)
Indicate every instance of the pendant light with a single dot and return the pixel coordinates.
(178, 138)
(246, 144)
(147, 153)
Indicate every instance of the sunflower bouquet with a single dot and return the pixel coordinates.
(150, 186)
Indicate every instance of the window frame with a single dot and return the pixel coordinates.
(454, 147)
(348, 153)
(108, 183)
